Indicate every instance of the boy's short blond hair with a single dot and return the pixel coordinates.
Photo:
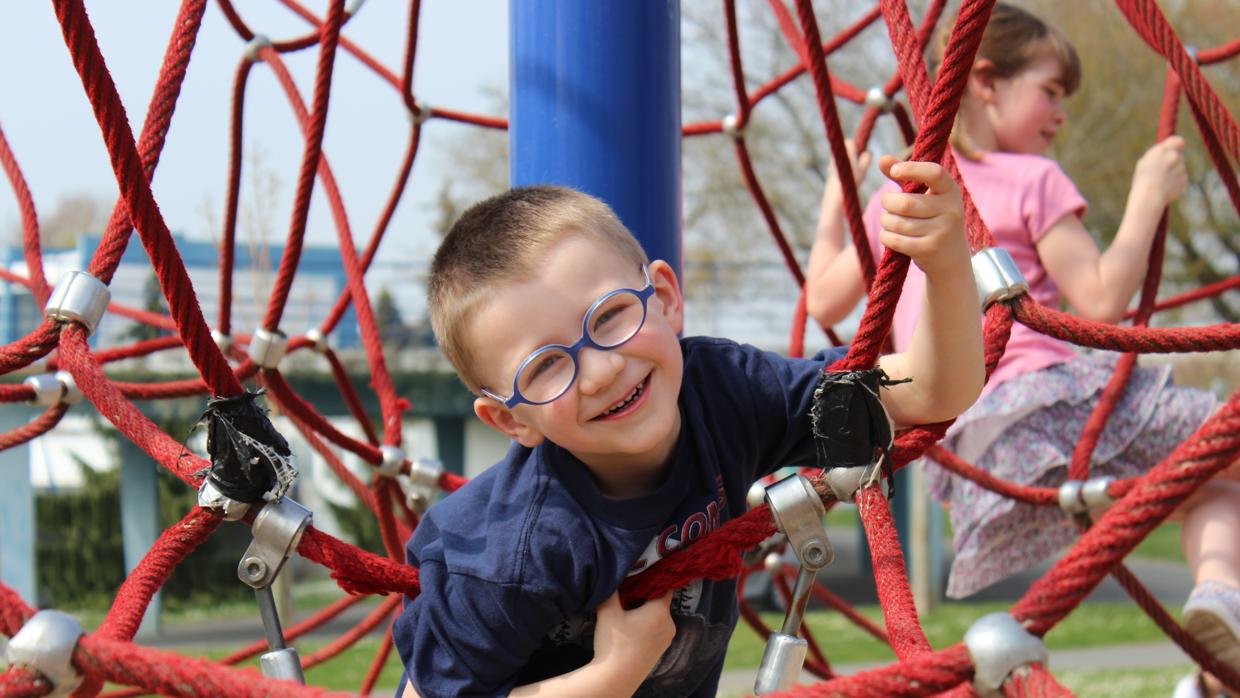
(501, 240)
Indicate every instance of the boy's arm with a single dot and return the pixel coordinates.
(627, 646)
(945, 355)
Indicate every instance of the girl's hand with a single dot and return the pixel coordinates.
(1160, 175)
(927, 227)
(858, 164)
(633, 641)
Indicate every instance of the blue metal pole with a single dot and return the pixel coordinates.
(595, 105)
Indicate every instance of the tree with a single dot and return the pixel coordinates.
(1114, 118)
(153, 301)
(74, 215)
(396, 332)
(1112, 121)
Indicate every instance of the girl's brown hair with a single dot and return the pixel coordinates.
(1013, 39)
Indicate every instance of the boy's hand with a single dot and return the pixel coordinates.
(633, 641)
(1160, 175)
(927, 227)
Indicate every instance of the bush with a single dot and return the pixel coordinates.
(80, 555)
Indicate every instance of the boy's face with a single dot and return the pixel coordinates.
(620, 415)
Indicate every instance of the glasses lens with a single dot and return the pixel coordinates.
(546, 375)
(617, 319)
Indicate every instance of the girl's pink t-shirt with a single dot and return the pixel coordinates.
(1019, 197)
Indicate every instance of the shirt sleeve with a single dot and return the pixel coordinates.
(467, 636)
(773, 407)
(1050, 196)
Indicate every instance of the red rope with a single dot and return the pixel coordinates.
(1146, 340)
(895, 597)
(311, 154)
(350, 638)
(30, 221)
(174, 675)
(136, 191)
(172, 547)
(1034, 681)
(36, 428)
(23, 683)
(1213, 447)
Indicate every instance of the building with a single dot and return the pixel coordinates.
(320, 280)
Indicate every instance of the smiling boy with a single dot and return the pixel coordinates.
(629, 444)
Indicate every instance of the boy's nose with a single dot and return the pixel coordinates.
(597, 369)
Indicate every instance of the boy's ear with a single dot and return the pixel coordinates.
(502, 419)
(667, 289)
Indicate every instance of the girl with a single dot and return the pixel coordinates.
(1026, 424)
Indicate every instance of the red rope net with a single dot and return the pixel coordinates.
(108, 655)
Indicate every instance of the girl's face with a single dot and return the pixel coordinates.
(1025, 111)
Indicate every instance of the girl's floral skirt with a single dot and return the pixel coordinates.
(1024, 431)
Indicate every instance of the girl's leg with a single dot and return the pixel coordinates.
(1211, 540)
(1211, 530)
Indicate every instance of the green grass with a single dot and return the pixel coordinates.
(1128, 683)
(1090, 625)
(1125, 683)
(1162, 544)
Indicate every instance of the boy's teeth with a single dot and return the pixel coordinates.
(620, 405)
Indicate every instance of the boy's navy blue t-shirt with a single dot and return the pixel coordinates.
(513, 565)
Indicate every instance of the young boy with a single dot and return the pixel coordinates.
(629, 443)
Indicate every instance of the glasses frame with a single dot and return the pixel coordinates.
(584, 340)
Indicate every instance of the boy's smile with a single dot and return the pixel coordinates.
(620, 416)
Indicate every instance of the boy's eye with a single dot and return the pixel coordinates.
(543, 365)
(608, 314)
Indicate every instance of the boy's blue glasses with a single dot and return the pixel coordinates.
(548, 372)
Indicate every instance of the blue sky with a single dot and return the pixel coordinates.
(462, 53)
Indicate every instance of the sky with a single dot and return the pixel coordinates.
(45, 115)
(461, 65)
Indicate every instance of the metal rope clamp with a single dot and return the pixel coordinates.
(999, 645)
(798, 513)
(877, 98)
(254, 47)
(847, 482)
(317, 341)
(424, 476)
(79, 297)
(277, 530)
(768, 551)
(997, 277)
(420, 113)
(53, 389)
(223, 341)
(45, 644)
(1083, 497)
(267, 347)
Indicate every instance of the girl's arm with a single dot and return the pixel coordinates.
(1099, 286)
(833, 284)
